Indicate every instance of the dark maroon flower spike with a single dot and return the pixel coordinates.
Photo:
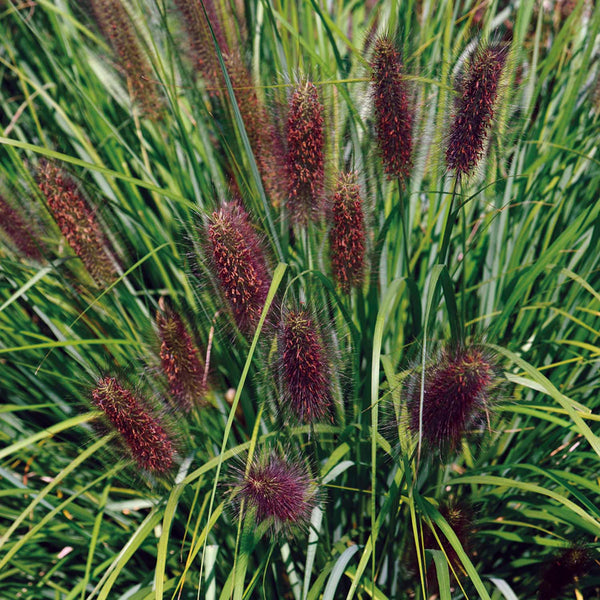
(277, 489)
(457, 392)
(239, 264)
(305, 368)
(18, 231)
(202, 45)
(568, 566)
(474, 110)
(347, 236)
(266, 143)
(76, 221)
(305, 162)
(144, 434)
(393, 114)
(180, 360)
(115, 24)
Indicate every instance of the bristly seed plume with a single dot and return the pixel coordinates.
(277, 489)
(145, 436)
(347, 236)
(18, 231)
(305, 154)
(474, 111)
(180, 360)
(76, 221)
(393, 114)
(306, 369)
(457, 392)
(239, 264)
(115, 24)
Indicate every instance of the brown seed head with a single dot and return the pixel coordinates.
(347, 236)
(143, 433)
(239, 264)
(180, 360)
(306, 369)
(305, 161)
(570, 564)
(393, 115)
(478, 90)
(18, 231)
(76, 221)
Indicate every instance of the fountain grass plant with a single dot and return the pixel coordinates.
(258, 339)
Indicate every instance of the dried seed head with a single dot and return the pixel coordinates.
(570, 564)
(278, 489)
(306, 370)
(76, 221)
(264, 139)
(347, 236)
(393, 114)
(142, 431)
(457, 392)
(18, 231)
(239, 264)
(180, 360)
(305, 162)
(115, 24)
(202, 45)
(478, 90)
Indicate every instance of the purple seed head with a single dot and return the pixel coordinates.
(393, 114)
(180, 361)
(305, 157)
(279, 489)
(306, 369)
(347, 236)
(239, 264)
(457, 393)
(115, 24)
(143, 432)
(20, 233)
(569, 565)
(76, 221)
(474, 111)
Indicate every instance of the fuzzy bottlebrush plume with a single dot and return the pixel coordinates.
(457, 392)
(393, 114)
(18, 231)
(202, 45)
(76, 221)
(264, 139)
(568, 566)
(474, 111)
(305, 161)
(180, 360)
(115, 24)
(145, 436)
(277, 489)
(239, 264)
(347, 236)
(305, 368)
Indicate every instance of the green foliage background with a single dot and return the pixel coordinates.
(527, 285)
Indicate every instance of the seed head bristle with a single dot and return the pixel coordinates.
(239, 264)
(305, 155)
(393, 114)
(143, 433)
(278, 489)
(478, 90)
(201, 41)
(347, 236)
(180, 361)
(306, 370)
(76, 221)
(563, 570)
(457, 392)
(115, 24)
(18, 231)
